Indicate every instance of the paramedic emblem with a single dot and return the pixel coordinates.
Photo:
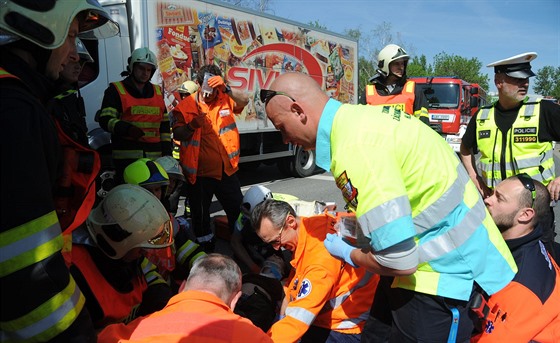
(305, 289)
(349, 192)
(489, 327)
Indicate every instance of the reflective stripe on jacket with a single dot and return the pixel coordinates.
(524, 152)
(403, 101)
(321, 290)
(405, 182)
(144, 113)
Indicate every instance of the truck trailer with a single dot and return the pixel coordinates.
(251, 48)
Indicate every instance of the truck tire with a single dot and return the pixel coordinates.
(304, 162)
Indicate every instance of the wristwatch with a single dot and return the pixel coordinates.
(227, 89)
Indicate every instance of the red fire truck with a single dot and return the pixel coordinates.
(451, 104)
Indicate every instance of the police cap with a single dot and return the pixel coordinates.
(517, 66)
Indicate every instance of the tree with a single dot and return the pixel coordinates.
(466, 69)
(257, 5)
(547, 82)
(418, 66)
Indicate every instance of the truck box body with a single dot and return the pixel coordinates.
(251, 48)
(451, 104)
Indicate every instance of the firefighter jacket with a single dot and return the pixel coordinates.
(385, 165)
(321, 290)
(528, 308)
(70, 111)
(524, 153)
(124, 106)
(220, 122)
(43, 299)
(116, 291)
(190, 316)
(404, 97)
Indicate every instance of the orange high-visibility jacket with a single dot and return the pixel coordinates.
(190, 316)
(220, 115)
(322, 290)
(404, 100)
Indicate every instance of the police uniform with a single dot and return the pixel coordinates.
(517, 140)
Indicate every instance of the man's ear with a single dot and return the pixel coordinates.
(234, 300)
(297, 110)
(526, 215)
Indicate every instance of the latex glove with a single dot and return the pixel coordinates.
(135, 132)
(217, 82)
(339, 248)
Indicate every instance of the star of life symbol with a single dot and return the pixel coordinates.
(489, 327)
(305, 289)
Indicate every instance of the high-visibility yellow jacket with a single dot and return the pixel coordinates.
(321, 290)
(524, 152)
(405, 182)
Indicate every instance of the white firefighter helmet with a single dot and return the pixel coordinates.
(129, 217)
(46, 23)
(188, 87)
(171, 166)
(83, 52)
(145, 172)
(142, 55)
(388, 54)
(254, 196)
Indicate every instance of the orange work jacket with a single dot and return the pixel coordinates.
(190, 316)
(405, 100)
(322, 290)
(221, 116)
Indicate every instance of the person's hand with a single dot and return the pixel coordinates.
(217, 82)
(484, 190)
(197, 122)
(339, 248)
(135, 132)
(554, 189)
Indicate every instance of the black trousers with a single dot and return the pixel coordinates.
(400, 315)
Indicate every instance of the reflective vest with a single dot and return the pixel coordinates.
(524, 152)
(405, 190)
(116, 306)
(403, 101)
(145, 113)
(25, 246)
(223, 123)
(319, 287)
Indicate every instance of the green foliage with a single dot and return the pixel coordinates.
(418, 66)
(466, 69)
(547, 82)
(316, 24)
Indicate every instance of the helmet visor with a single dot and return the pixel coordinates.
(163, 239)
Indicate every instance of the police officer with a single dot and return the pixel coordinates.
(40, 300)
(514, 135)
(390, 86)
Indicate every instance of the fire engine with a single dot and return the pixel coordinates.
(451, 104)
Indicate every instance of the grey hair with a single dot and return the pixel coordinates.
(217, 273)
(274, 210)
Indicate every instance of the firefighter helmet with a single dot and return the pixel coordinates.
(83, 52)
(254, 196)
(142, 55)
(388, 54)
(46, 23)
(145, 172)
(188, 87)
(129, 217)
(171, 166)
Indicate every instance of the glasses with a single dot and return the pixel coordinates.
(529, 184)
(267, 94)
(165, 237)
(278, 239)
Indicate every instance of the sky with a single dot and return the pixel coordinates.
(489, 30)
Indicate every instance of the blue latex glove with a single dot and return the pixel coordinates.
(339, 248)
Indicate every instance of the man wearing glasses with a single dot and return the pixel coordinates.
(528, 308)
(327, 299)
(514, 135)
(430, 236)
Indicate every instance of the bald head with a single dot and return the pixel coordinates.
(297, 109)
